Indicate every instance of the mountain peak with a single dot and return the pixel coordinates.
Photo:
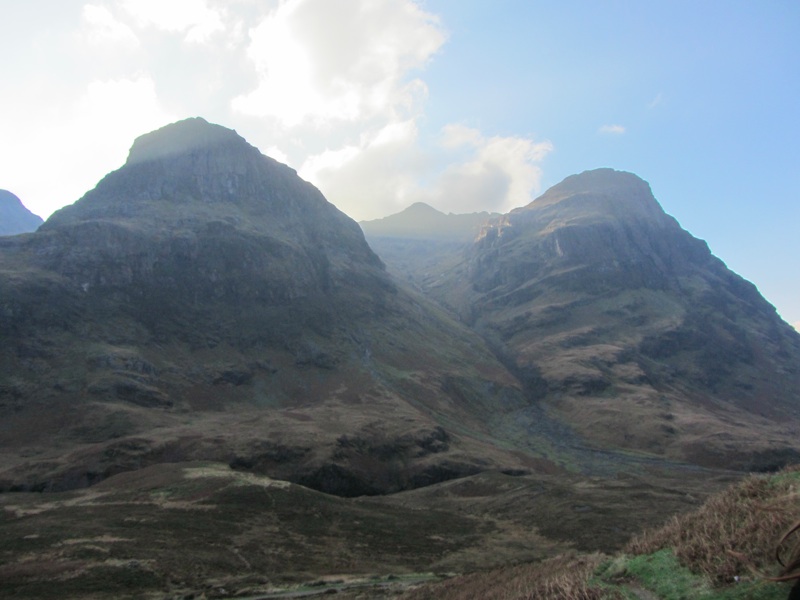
(190, 166)
(422, 221)
(14, 217)
(421, 208)
(602, 193)
(604, 181)
(181, 137)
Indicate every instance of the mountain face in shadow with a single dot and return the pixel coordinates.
(202, 338)
(197, 222)
(627, 327)
(14, 217)
(205, 303)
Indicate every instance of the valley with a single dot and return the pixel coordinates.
(213, 383)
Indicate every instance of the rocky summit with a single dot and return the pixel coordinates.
(14, 217)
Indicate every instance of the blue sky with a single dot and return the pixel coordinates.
(465, 104)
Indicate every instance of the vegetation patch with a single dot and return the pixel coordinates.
(666, 578)
(725, 550)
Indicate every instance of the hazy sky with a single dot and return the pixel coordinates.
(465, 104)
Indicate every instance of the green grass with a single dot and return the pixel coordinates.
(662, 574)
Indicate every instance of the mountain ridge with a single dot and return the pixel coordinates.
(205, 279)
(202, 352)
(422, 221)
(608, 309)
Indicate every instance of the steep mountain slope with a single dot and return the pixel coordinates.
(628, 329)
(14, 217)
(203, 302)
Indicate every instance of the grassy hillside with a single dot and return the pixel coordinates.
(175, 530)
(722, 551)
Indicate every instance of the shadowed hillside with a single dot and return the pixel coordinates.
(203, 302)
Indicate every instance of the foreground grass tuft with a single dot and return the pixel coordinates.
(722, 551)
(664, 577)
(746, 521)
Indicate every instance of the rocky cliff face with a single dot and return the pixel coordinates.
(595, 232)
(14, 217)
(203, 302)
(628, 327)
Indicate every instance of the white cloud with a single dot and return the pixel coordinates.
(193, 19)
(345, 60)
(796, 325)
(657, 101)
(345, 71)
(97, 129)
(501, 174)
(103, 28)
(466, 172)
(333, 87)
(612, 129)
(372, 177)
(455, 135)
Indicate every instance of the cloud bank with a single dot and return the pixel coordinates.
(336, 88)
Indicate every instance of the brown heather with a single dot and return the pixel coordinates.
(741, 531)
(735, 531)
(564, 577)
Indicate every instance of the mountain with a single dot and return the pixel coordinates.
(14, 217)
(205, 303)
(416, 240)
(423, 222)
(625, 327)
(211, 385)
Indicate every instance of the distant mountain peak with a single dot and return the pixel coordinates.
(14, 217)
(423, 221)
(421, 207)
